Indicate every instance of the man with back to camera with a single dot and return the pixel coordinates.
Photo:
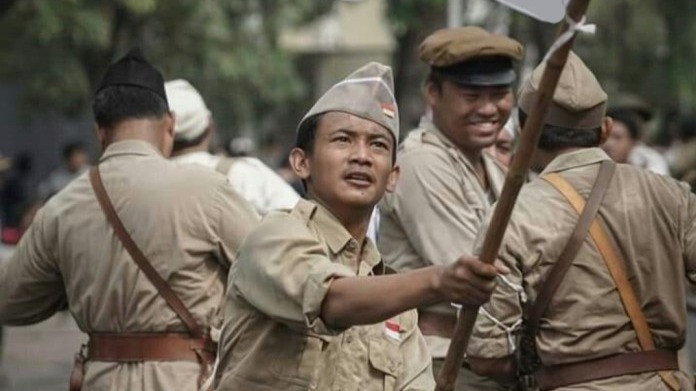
(186, 221)
(599, 253)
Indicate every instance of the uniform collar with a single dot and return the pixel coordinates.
(336, 235)
(489, 163)
(130, 147)
(579, 158)
(428, 124)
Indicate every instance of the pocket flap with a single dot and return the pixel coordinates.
(384, 356)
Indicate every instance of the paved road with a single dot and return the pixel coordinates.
(39, 357)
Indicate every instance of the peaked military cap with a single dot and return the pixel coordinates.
(191, 115)
(367, 93)
(471, 56)
(134, 70)
(579, 101)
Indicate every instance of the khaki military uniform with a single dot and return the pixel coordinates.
(651, 220)
(434, 215)
(186, 220)
(274, 337)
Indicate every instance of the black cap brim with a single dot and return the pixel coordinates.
(480, 72)
(502, 78)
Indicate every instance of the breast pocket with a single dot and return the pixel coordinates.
(296, 360)
(385, 360)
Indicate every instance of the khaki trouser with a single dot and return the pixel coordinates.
(467, 380)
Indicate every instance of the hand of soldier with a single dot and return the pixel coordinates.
(468, 281)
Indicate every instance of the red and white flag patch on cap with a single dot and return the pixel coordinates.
(388, 109)
(392, 330)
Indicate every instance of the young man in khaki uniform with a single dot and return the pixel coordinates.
(448, 182)
(310, 305)
(187, 221)
(614, 319)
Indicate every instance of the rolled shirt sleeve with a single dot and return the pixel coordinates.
(285, 272)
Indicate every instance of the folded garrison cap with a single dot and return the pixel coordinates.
(367, 93)
(134, 70)
(579, 101)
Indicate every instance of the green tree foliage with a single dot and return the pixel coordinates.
(58, 50)
(411, 21)
(646, 48)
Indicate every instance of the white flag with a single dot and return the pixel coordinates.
(551, 11)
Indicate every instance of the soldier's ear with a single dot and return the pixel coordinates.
(299, 163)
(431, 93)
(170, 122)
(101, 136)
(605, 131)
(393, 178)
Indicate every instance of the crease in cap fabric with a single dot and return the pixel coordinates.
(367, 93)
(133, 70)
(579, 102)
(191, 115)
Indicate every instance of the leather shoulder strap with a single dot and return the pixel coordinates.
(555, 275)
(160, 284)
(224, 164)
(616, 268)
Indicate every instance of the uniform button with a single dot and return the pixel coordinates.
(349, 339)
(351, 245)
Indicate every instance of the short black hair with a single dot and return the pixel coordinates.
(558, 137)
(307, 133)
(631, 122)
(437, 79)
(182, 144)
(114, 104)
(70, 148)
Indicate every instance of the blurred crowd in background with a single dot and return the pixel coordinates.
(20, 196)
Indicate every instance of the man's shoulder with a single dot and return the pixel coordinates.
(423, 150)
(198, 178)
(423, 141)
(646, 181)
(73, 194)
(290, 223)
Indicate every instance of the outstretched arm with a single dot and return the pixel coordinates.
(365, 300)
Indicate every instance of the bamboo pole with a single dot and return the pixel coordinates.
(513, 183)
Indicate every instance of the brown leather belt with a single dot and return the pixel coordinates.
(432, 323)
(552, 377)
(132, 347)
